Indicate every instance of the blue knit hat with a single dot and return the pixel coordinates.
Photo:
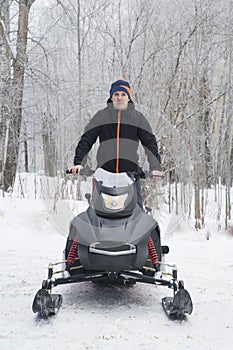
(121, 85)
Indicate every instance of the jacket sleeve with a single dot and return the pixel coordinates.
(86, 142)
(148, 140)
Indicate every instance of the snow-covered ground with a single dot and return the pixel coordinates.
(103, 317)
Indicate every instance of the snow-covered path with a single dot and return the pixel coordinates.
(103, 317)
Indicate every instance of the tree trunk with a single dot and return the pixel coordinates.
(5, 81)
(49, 150)
(79, 62)
(17, 96)
(25, 143)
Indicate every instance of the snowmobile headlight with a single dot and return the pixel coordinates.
(114, 202)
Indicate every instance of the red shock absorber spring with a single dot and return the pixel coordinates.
(152, 252)
(73, 252)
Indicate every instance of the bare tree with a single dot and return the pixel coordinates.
(19, 61)
(5, 69)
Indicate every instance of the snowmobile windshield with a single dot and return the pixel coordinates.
(113, 193)
(110, 180)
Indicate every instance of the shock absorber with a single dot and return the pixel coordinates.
(73, 252)
(152, 253)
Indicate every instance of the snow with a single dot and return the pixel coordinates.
(104, 317)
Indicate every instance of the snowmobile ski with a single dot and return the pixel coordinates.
(178, 307)
(46, 304)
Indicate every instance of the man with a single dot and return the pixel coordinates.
(119, 128)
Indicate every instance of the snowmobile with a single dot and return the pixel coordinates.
(114, 241)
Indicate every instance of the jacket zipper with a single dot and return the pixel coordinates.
(118, 141)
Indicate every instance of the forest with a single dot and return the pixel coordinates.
(58, 59)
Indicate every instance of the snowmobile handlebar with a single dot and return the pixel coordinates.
(139, 174)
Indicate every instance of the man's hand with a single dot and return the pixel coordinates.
(76, 169)
(157, 174)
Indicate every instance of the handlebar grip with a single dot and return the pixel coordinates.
(69, 171)
(85, 171)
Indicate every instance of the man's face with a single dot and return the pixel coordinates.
(120, 100)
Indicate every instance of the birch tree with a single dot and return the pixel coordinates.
(17, 86)
(5, 69)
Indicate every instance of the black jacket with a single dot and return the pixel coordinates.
(119, 135)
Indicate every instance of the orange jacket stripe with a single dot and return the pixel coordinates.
(118, 141)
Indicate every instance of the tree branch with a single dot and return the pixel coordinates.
(192, 114)
(5, 41)
(30, 2)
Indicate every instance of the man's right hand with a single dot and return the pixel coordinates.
(76, 169)
(157, 174)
